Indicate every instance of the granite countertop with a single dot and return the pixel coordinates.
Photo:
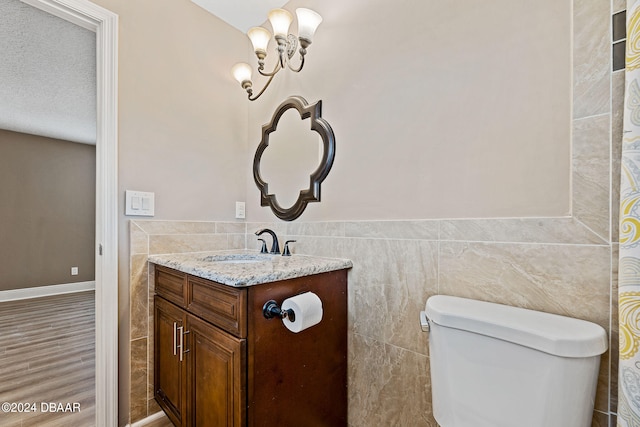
(245, 268)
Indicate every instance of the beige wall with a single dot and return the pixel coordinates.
(182, 127)
(440, 109)
(47, 189)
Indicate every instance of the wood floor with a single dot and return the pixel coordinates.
(47, 361)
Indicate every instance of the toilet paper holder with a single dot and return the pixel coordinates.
(271, 309)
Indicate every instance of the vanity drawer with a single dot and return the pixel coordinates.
(222, 305)
(171, 285)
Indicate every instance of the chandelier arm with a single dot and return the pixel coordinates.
(271, 74)
(297, 70)
(263, 89)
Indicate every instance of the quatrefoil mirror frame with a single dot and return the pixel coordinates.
(319, 125)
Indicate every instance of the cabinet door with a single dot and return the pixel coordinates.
(170, 370)
(216, 372)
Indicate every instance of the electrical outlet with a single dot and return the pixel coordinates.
(74, 271)
(240, 210)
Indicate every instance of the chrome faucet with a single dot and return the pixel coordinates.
(275, 247)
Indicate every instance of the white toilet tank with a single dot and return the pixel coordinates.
(494, 365)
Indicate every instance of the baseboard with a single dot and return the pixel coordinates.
(149, 419)
(43, 291)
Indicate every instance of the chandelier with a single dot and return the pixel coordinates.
(287, 44)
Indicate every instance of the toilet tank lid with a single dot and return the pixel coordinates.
(551, 333)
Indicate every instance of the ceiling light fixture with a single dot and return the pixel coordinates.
(280, 19)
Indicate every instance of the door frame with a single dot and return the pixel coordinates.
(105, 24)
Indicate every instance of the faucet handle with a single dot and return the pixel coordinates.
(285, 251)
(275, 248)
(263, 250)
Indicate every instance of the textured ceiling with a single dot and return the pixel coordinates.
(47, 74)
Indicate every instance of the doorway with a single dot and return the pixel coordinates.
(105, 24)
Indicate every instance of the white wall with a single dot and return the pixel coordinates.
(440, 109)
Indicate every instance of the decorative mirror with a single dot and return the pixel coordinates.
(293, 152)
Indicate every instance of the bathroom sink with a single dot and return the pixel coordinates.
(238, 258)
(240, 261)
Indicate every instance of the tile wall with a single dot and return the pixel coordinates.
(560, 265)
(555, 265)
(157, 237)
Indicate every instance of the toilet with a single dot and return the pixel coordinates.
(494, 365)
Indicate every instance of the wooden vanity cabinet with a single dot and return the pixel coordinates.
(240, 369)
(199, 369)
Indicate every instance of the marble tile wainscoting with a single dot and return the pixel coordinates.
(160, 237)
(555, 265)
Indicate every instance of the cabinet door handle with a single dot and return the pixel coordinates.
(181, 344)
(182, 349)
(175, 338)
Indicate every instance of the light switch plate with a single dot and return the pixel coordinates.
(240, 213)
(139, 203)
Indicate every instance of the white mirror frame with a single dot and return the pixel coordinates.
(105, 24)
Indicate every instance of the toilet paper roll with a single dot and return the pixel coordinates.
(308, 311)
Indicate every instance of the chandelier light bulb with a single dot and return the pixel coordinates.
(260, 39)
(287, 44)
(280, 21)
(308, 22)
(242, 72)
